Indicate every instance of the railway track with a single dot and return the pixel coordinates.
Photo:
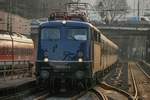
(112, 84)
(78, 95)
(134, 85)
(113, 92)
(38, 96)
(140, 82)
(99, 94)
(41, 96)
(94, 94)
(143, 71)
(17, 96)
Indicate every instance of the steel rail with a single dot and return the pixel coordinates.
(41, 96)
(79, 95)
(143, 71)
(135, 95)
(105, 86)
(16, 96)
(99, 94)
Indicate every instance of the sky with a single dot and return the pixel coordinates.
(130, 2)
(89, 1)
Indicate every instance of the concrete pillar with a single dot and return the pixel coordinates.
(148, 49)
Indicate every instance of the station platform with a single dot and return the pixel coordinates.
(11, 87)
(15, 83)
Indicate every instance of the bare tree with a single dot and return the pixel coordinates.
(111, 8)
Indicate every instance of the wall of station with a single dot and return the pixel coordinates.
(16, 23)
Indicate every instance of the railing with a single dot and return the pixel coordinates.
(15, 70)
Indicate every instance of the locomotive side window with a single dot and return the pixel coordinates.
(96, 36)
(77, 34)
(50, 34)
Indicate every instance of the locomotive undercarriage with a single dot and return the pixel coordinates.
(62, 85)
(64, 79)
(77, 76)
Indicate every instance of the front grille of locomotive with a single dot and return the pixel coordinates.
(63, 70)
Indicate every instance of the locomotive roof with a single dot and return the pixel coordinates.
(109, 41)
(68, 23)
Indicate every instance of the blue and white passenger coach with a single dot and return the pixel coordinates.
(72, 50)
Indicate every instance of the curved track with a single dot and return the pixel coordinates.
(113, 92)
(41, 96)
(92, 94)
(99, 94)
(140, 82)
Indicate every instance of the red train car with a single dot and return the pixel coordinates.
(16, 53)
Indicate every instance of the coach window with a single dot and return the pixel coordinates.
(19, 50)
(29, 52)
(22, 51)
(102, 46)
(98, 38)
(26, 51)
(95, 36)
(1, 51)
(14, 51)
(4, 51)
(50, 34)
(10, 51)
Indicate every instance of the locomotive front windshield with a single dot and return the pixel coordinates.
(76, 34)
(50, 34)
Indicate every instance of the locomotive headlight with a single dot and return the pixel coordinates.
(45, 59)
(45, 56)
(80, 60)
(64, 22)
(44, 74)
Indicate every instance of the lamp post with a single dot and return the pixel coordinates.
(138, 13)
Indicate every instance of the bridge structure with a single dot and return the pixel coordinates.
(133, 40)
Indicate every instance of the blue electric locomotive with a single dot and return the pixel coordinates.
(72, 50)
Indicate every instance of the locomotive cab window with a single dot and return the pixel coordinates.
(50, 34)
(77, 34)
